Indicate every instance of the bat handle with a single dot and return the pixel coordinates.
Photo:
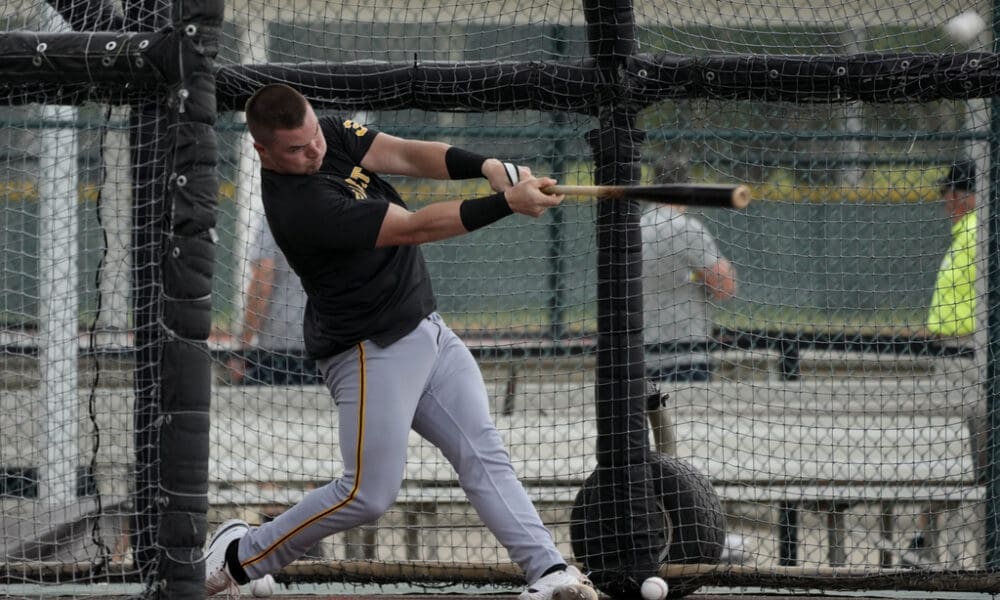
(582, 190)
(568, 190)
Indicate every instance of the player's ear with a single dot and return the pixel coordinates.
(261, 150)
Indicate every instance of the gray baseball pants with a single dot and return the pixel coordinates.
(427, 381)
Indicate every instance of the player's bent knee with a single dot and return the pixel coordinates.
(372, 504)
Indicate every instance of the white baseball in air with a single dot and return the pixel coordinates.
(654, 588)
(965, 27)
(263, 587)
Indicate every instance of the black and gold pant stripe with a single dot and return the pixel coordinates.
(358, 456)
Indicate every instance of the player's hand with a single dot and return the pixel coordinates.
(497, 173)
(527, 197)
(237, 369)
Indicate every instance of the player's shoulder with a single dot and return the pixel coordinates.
(345, 126)
(292, 202)
(662, 215)
(283, 183)
(693, 223)
(280, 188)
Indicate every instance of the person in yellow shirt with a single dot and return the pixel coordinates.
(953, 306)
(952, 318)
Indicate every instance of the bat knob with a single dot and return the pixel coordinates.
(741, 197)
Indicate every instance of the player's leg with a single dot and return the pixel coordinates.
(660, 422)
(454, 416)
(375, 394)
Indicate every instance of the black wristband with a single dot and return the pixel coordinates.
(462, 164)
(480, 212)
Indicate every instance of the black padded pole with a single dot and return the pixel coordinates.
(147, 207)
(622, 432)
(147, 129)
(188, 263)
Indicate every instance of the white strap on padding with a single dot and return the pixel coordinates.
(512, 173)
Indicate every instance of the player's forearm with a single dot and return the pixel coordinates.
(391, 155)
(258, 296)
(462, 164)
(441, 220)
(426, 159)
(431, 223)
(252, 319)
(449, 219)
(414, 158)
(437, 160)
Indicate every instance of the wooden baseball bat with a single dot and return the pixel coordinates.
(690, 194)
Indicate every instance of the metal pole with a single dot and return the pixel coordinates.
(557, 306)
(252, 50)
(116, 198)
(60, 302)
(992, 387)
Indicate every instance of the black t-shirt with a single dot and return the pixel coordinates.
(326, 224)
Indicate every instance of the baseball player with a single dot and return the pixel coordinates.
(390, 361)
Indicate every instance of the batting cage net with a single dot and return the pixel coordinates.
(798, 393)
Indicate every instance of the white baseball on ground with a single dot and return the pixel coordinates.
(965, 26)
(263, 587)
(654, 588)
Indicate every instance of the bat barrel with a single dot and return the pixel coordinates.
(720, 196)
(713, 195)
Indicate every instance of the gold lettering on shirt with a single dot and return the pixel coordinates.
(358, 182)
(359, 129)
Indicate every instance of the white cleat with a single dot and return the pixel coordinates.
(217, 576)
(568, 584)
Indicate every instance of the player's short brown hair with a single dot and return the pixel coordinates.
(272, 107)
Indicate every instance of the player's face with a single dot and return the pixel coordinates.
(297, 151)
(957, 203)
